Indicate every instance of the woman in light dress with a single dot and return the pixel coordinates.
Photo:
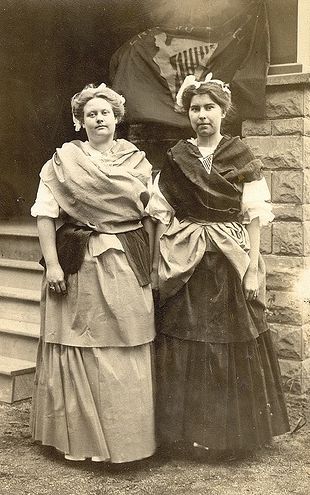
(93, 395)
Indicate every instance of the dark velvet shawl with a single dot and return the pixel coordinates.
(203, 197)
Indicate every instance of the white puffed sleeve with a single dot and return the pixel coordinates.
(158, 207)
(255, 202)
(45, 204)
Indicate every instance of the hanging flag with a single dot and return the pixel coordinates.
(150, 68)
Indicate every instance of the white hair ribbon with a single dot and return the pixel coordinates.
(191, 81)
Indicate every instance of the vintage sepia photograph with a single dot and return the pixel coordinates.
(155, 247)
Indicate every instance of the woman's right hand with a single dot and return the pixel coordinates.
(56, 279)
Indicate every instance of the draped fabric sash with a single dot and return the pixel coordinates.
(213, 197)
(107, 195)
(184, 244)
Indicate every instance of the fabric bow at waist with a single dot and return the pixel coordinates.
(184, 244)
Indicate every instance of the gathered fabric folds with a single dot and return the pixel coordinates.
(93, 393)
(221, 396)
(219, 382)
(86, 406)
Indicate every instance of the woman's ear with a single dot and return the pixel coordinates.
(223, 114)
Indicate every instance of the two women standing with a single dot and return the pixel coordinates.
(218, 382)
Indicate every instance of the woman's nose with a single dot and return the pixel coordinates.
(99, 117)
(202, 114)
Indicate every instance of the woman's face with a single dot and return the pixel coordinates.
(99, 120)
(205, 116)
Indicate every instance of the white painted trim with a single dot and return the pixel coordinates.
(303, 32)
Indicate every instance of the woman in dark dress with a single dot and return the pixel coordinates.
(219, 384)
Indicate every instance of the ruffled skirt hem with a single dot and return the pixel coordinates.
(95, 402)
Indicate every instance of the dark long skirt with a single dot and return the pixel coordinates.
(222, 395)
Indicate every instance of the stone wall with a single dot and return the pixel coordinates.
(282, 141)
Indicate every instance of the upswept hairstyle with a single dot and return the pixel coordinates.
(79, 100)
(213, 90)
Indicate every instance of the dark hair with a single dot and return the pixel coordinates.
(79, 101)
(213, 90)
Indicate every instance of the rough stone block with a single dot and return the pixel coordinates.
(306, 226)
(306, 212)
(284, 307)
(306, 187)
(256, 128)
(306, 100)
(288, 212)
(283, 271)
(289, 342)
(284, 102)
(306, 341)
(295, 375)
(287, 186)
(298, 125)
(306, 152)
(266, 239)
(278, 152)
(288, 238)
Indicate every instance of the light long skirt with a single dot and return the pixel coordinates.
(95, 402)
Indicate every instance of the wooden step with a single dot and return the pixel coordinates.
(20, 248)
(20, 273)
(20, 304)
(19, 240)
(19, 339)
(23, 226)
(16, 379)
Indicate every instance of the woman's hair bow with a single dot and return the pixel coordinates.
(191, 81)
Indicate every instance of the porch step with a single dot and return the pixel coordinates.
(20, 273)
(16, 379)
(20, 304)
(19, 339)
(19, 240)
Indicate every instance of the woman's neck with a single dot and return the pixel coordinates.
(102, 147)
(209, 141)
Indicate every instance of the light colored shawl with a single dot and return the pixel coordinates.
(108, 194)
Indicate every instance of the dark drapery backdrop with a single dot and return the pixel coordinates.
(49, 49)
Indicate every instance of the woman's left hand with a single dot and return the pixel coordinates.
(250, 284)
